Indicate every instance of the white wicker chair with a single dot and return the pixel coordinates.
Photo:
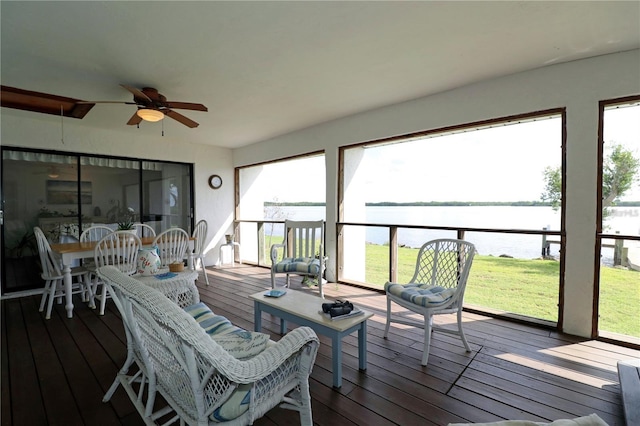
(302, 252)
(437, 287)
(193, 373)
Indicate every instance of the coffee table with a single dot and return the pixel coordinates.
(304, 309)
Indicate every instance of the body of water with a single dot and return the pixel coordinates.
(625, 220)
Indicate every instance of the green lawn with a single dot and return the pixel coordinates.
(525, 287)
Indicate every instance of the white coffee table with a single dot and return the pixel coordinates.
(303, 309)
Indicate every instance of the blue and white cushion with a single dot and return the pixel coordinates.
(420, 294)
(306, 265)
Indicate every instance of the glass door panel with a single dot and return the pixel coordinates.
(39, 189)
(166, 195)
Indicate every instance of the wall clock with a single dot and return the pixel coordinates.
(215, 181)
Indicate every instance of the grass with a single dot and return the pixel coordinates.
(524, 287)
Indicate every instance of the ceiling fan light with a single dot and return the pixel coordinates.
(150, 115)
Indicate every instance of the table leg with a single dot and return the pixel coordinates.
(362, 346)
(283, 326)
(336, 356)
(67, 290)
(257, 316)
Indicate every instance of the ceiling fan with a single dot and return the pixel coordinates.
(153, 106)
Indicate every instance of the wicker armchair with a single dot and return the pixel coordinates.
(194, 374)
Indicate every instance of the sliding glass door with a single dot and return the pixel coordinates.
(64, 193)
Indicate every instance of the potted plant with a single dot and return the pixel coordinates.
(126, 222)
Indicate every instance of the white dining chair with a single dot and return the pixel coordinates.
(53, 276)
(119, 249)
(200, 236)
(143, 230)
(173, 245)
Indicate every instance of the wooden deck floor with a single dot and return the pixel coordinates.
(56, 371)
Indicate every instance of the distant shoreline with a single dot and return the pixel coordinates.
(444, 204)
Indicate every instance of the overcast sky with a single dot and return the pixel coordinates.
(498, 164)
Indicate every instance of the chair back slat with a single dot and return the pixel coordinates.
(173, 245)
(304, 238)
(95, 233)
(49, 262)
(200, 235)
(119, 249)
(143, 230)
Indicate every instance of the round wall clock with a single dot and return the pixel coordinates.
(215, 181)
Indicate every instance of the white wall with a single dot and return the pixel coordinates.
(578, 86)
(41, 131)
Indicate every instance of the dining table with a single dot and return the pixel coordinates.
(70, 252)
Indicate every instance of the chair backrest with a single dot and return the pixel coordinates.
(445, 263)
(95, 233)
(304, 238)
(143, 230)
(49, 262)
(173, 244)
(200, 234)
(119, 249)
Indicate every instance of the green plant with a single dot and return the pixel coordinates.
(125, 223)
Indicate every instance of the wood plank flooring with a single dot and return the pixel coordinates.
(56, 371)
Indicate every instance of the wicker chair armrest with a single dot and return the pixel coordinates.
(274, 252)
(301, 342)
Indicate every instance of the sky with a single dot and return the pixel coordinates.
(504, 163)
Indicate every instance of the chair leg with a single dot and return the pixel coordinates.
(52, 291)
(103, 298)
(427, 339)
(386, 329)
(319, 278)
(273, 279)
(204, 271)
(45, 293)
(93, 286)
(461, 332)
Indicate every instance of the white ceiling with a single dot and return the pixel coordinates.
(269, 68)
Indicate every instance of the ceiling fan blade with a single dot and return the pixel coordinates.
(187, 105)
(137, 93)
(105, 102)
(135, 119)
(181, 118)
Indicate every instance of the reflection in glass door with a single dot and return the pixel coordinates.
(65, 193)
(166, 195)
(39, 189)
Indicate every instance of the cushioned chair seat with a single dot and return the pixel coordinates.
(299, 264)
(237, 342)
(591, 420)
(420, 294)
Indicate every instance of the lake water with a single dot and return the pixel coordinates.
(626, 220)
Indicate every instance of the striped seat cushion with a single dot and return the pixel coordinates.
(306, 265)
(420, 294)
(238, 342)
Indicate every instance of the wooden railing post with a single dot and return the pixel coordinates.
(261, 248)
(393, 254)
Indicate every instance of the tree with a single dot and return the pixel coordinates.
(619, 173)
